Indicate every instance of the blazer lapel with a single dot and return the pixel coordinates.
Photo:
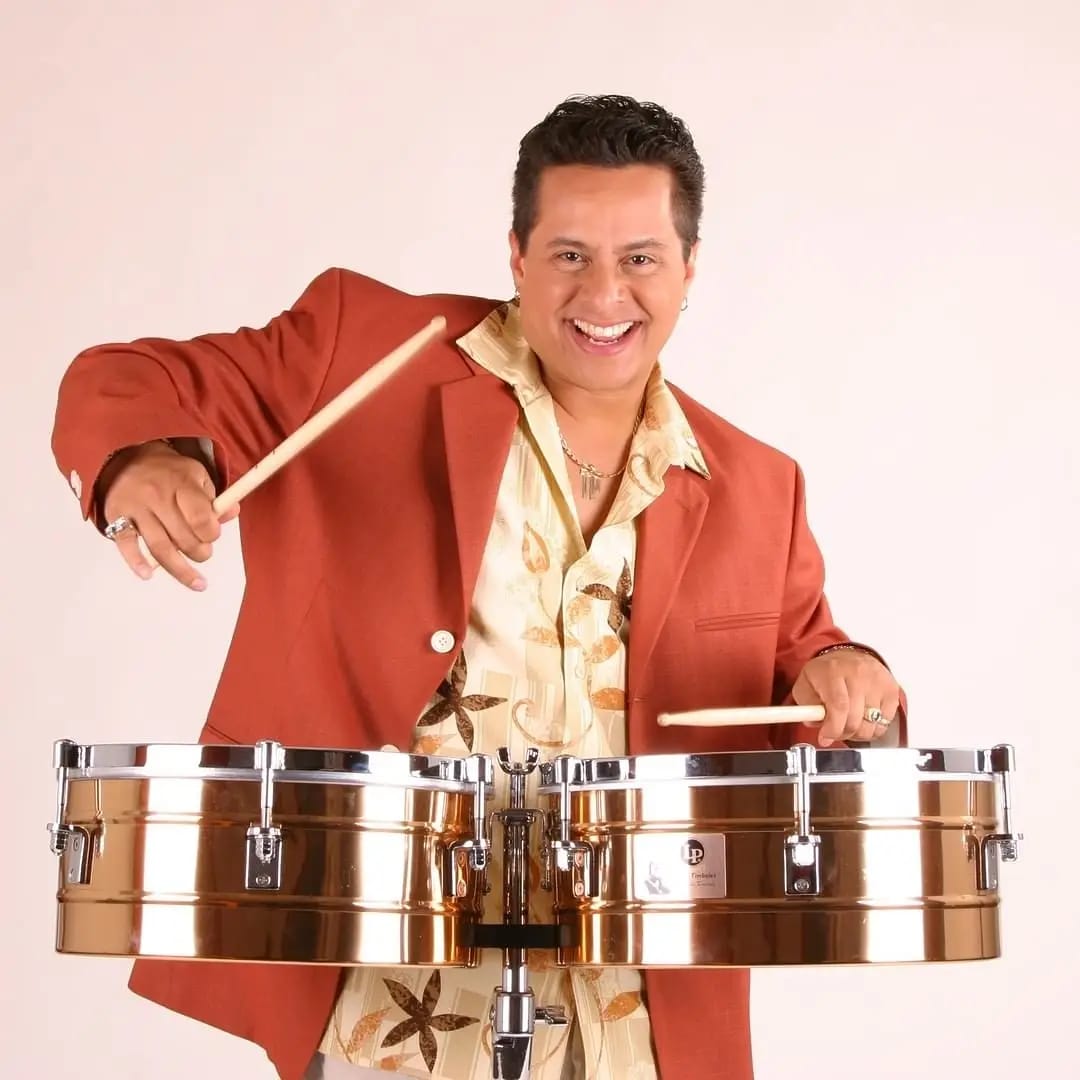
(669, 529)
(478, 415)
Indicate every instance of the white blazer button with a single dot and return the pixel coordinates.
(442, 641)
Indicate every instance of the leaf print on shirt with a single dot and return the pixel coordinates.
(577, 610)
(647, 473)
(534, 551)
(610, 697)
(363, 1029)
(392, 1063)
(523, 717)
(602, 649)
(620, 1005)
(421, 1019)
(453, 704)
(429, 744)
(619, 598)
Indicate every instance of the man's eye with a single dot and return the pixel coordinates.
(570, 256)
(641, 260)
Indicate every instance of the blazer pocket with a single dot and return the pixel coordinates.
(738, 621)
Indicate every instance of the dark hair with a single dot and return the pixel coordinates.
(610, 130)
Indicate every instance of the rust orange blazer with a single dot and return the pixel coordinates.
(371, 540)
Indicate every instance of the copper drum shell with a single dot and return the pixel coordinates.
(363, 880)
(901, 874)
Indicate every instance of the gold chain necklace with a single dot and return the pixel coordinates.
(590, 474)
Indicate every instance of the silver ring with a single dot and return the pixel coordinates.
(876, 716)
(117, 526)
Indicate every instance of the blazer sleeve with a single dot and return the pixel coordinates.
(806, 622)
(242, 392)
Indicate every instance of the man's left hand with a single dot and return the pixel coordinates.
(850, 683)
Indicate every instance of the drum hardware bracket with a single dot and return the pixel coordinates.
(514, 1017)
(70, 842)
(514, 1013)
(1005, 845)
(73, 844)
(802, 848)
(570, 856)
(265, 853)
(476, 852)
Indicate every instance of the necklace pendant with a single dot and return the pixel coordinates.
(590, 483)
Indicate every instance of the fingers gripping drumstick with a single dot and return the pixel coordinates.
(333, 411)
(781, 714)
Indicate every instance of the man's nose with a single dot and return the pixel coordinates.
(603, 290)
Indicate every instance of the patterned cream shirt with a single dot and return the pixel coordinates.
(543, 665)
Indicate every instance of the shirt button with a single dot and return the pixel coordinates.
(442, 641)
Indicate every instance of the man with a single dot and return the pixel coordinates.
(533, 540)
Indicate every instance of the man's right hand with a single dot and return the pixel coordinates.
(168, 497)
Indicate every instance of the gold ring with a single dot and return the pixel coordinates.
(876, 716)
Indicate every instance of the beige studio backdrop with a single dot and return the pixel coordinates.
(887, 291)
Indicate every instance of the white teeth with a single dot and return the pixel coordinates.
(603, 333)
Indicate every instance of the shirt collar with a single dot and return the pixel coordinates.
(498, 345)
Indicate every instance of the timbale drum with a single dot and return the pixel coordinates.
(269, 853)
(837, 856)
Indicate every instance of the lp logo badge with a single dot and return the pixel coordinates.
(692, 852)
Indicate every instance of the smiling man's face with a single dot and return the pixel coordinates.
(603, 275)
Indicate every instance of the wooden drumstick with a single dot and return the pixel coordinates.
(327, 416)
(333, 411)
(778, 714)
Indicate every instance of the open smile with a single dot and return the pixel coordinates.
(598, 338)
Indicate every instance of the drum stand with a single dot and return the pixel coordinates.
(514, 1014)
